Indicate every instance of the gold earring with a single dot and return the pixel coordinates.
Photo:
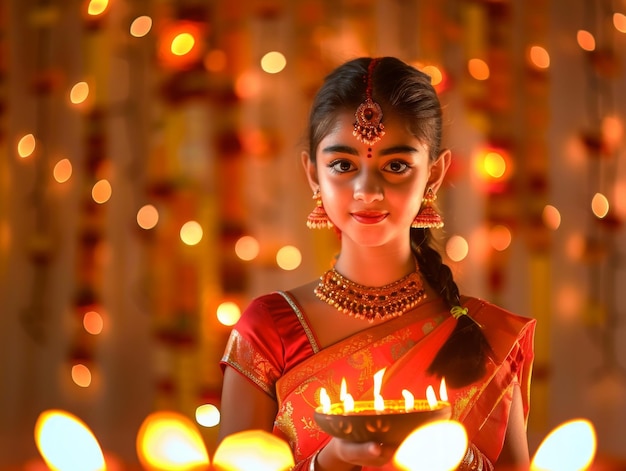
(428, 217)
(318, 219)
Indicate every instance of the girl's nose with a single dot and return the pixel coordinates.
(367, 187)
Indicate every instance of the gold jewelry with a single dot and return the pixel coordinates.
(368, 127)
(318, 219)
(427, 216)
(475, 460)
(367, 302)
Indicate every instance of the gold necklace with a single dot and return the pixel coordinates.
(367, 302)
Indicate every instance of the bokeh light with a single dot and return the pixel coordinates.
(570, 446)
(253, 450)
(182, 44)
(273, 62)
(93, 322)
(66, 443)
(288, 257)
(457, 248)
(147, 217)
(215, 60)
(191, 233)
(539, 57)
(207, 415)
(97, 7)
(551, 217)
(435, 74)
(500, 237)
(585, 40)
(101, 191)
(478, 69)
(141, 26)
(62, 170)
(619, 21)
(247, 85)
(81, 375)
(600, 205)
(228, 313)
(26, 145)
(247, 248)
(79, 93)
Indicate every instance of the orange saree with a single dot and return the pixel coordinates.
(274, 347)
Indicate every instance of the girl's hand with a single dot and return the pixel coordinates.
(342, 454)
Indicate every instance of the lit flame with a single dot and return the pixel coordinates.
(344, 390)
(66, 443)
(170, 441)
(430, 397)
(348, 403)
(324, 401)
(443, 392)
(379, 403)
(437, 446)
(572, 446)
(409, 400)
(253, 450)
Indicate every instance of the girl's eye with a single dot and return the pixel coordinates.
(342, 166)
(397, 166)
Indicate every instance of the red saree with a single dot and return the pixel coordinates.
(274, 347)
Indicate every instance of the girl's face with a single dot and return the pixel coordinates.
(373, 193)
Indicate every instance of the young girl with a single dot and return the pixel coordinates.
(374, 165)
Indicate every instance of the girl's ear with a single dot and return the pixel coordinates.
(438, 170)
(311, 170)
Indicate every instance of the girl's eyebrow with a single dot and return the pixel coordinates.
(344, 149)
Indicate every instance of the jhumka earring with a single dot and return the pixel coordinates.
(428, 217)
(318, 219)
(368, 127)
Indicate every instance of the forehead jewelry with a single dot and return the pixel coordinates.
(368, 127)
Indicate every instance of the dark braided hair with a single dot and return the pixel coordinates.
(405, 92)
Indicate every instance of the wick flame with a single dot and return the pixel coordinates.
(443, 392)
(324, 401)
(409, 400)
(348, 403)
(379, 403)
(430, 396)
(344, 390)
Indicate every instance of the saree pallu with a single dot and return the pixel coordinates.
(405, 346)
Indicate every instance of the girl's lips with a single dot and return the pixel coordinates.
(369, 217)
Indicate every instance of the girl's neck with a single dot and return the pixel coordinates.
(376, 266)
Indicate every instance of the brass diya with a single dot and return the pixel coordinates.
(390, 426)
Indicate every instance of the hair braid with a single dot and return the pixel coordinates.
(461, 360)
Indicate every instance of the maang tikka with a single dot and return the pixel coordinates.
(368, 127)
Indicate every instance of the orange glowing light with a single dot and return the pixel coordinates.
(539, 57)
(147, 217)
(379, 403)
(585, 40)
(26, 146)
(600, 205)
(551, 217)
(93, 322)
(409, 400)
(101, 191)
(228, 313)
(253, 450)
(443, 391)
(97, 7)
(325, 401)
(247, 85)
(79, 93)
(62, 170)
(572, 446)
(247, 248)
(431, 397)
(436, 76)
(494, 164)
(182, 44)
(215, 60)
(66, 443)
(500, 237)
(288, 257)
(141, 26)
(478, 68)
(457, 248)
(81, 375)
(619, 21)
(437, 446)
(169, 441)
